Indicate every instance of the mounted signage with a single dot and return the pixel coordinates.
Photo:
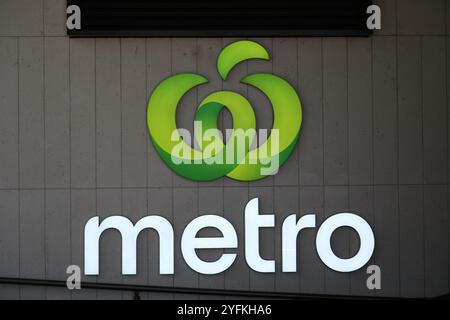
(235, 158)
(219, 18)
(253, 221)
(215, 157)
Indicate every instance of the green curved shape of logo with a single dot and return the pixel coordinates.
(201, 164)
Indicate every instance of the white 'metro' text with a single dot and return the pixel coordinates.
(253, 221)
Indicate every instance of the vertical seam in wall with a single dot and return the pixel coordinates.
(70, 160)
(348, 155)
(423, 167)
(297, 73)
(121, 138)
(18, 158)
(95, 140)
(398, 163)
(373, 143)
(45, 151)
(147, 236)
(397, 38)
(95, 127)
(398, 149)
(323, 152)
(44, 144)
(298, 163)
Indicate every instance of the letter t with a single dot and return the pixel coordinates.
(254, 221)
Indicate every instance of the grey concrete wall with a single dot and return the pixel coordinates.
(73, 144)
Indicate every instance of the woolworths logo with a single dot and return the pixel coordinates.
(244, 154)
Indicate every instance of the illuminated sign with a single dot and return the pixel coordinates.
(190, 242)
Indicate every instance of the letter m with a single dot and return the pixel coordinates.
(129, 232)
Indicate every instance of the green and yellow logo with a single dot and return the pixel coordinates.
(214, 157)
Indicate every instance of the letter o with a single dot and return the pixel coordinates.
(323, 242)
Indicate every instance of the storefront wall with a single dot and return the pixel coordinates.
(374, 141)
